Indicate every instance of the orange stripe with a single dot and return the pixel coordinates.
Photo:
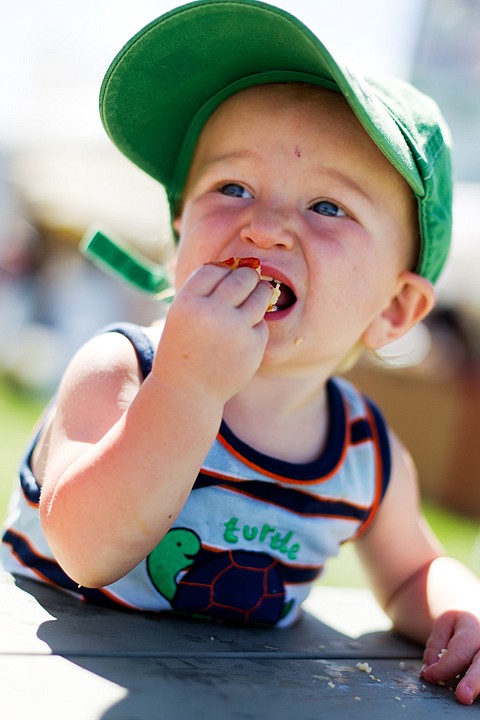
(284, 478)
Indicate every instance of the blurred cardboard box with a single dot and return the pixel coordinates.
(434, 407)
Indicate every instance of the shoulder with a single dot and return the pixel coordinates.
(402, 501)
(120, 351)
(99, 384)
(398, 542)
(103, 356)
(102, 378)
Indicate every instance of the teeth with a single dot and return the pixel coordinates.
(276, 291)
(275, 295)
(268, 278)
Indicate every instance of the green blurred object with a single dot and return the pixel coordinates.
(120, 259)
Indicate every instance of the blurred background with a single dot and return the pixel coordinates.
(59, 174)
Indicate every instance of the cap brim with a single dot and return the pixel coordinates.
(166, 82)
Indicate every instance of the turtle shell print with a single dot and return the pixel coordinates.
(236, 585)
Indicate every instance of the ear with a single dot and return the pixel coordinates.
(413, 299)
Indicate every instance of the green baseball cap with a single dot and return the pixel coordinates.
(169, 78)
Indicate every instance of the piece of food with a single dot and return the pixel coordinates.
(237, 262)
(252, 262)
(364, 667)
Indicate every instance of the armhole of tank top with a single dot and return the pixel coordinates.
(141, 344)
(382, 445)
(382, 461)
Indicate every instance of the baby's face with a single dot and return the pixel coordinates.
(287, 174)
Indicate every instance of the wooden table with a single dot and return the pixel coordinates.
(61, 659)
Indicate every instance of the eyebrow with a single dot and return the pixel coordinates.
(236, 155)
(330, 172)
(347, 181)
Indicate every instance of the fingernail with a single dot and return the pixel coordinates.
(469, 693)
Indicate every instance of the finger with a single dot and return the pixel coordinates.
(440, 636)
(469, 686)
(456, 655)
(203, 281)
(261, 333)
(237, 286)
(255, 305)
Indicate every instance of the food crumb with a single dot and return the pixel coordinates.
(398, 698)
(442, 652)
(331, 684)
(364, 667)
(298, 341)
(357, 698)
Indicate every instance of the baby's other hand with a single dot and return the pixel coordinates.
(453, 651)
(215, 333)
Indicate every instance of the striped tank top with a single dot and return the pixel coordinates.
(255, 532)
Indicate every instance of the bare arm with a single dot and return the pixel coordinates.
(119, 456)
(397, 546)
(430, 598)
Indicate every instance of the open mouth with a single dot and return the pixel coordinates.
(283, 296)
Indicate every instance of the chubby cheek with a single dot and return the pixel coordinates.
(188, 256)
(203, 237)
(344, 301)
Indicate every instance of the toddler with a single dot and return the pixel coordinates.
(211, 464)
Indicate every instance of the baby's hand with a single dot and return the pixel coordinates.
(215, 334)
(453, 651)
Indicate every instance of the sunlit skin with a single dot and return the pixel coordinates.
(285, 174)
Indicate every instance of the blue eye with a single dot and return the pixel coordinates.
(328, 209)
(235, 190)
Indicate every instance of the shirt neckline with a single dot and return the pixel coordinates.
(314, 471)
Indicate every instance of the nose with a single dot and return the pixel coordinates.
(267, 227)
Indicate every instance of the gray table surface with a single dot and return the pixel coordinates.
(62, 659)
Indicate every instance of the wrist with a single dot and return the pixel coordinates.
(180, 393)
